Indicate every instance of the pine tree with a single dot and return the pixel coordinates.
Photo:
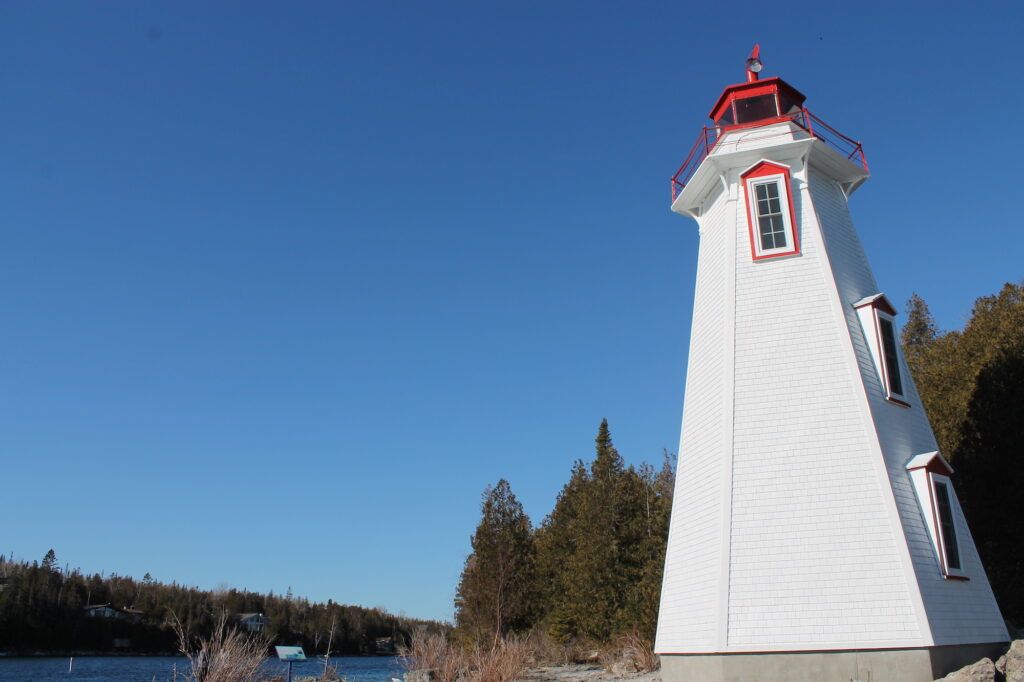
(600, 550)
(494, 592)
(919, 331)
(50, 560)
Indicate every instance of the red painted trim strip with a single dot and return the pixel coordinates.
(897, 401)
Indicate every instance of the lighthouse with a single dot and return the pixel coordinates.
(815, 531)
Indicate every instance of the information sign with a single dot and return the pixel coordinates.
(290, 653)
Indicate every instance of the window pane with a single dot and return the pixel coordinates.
(771, 226)
(767, 240)
(755, 108)
(892, 365)
(942, 501)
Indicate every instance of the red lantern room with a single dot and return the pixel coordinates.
(756, 101)
(761, 103)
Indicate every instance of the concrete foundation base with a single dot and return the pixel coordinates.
(866, 665)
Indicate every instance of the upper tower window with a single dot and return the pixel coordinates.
(879, 324)
(770, 211)
(890, 354)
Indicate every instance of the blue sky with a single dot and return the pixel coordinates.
(284, 286)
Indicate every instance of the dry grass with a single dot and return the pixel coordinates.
(503, 662)
(226, 655)
(431, 651)
(547, 651)
(511, 657)
(632, 647)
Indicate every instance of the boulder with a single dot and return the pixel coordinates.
(626, 666)
(1011, 664)
(982, 671)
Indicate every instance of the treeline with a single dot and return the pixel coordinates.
(42, 608)
(591, 570)
(972, 385)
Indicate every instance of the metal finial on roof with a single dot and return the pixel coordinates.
(754, 65)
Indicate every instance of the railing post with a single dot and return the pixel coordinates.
(807, 119)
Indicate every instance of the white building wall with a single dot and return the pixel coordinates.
(689, 598)
(956, 611)
(815, 563)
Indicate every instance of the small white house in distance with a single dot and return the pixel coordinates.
(253, 622)
(108, 611)
(815, 533)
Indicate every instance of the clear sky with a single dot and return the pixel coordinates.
(284, 286)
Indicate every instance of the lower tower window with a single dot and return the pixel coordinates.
(930, 475)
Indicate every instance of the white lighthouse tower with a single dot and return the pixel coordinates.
(815, 533)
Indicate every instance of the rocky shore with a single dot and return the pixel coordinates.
(1007, 668)
(586, 673)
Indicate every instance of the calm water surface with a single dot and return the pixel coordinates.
(161, 669)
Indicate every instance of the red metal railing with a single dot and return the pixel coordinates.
(710, 136)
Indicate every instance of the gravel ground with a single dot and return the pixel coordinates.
(585, 673)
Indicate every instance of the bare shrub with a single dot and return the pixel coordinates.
(226, 655)
(547, 651)
(630, 648)
(430, 651)
(502, 662)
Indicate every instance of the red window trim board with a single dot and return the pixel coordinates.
(760, 170)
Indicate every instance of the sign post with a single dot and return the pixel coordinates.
(289, 654)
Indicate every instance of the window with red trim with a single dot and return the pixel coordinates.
(877, 318)
(929, 474)
(770, 214)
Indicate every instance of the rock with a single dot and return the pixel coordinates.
(1011, 664)
(425, 675)
(982, 671)
(625, 666)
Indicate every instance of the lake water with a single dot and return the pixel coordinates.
(161, 669)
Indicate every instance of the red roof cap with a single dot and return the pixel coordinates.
(774, 85)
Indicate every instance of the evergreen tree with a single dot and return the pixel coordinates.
(919, 331)
(50, 560)
(558, 544)
(493, 596)
(600, 550)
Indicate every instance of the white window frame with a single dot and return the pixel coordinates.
(925, 471)
(871, 310)
(933, 479)
(762, 173)
(779, 180)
